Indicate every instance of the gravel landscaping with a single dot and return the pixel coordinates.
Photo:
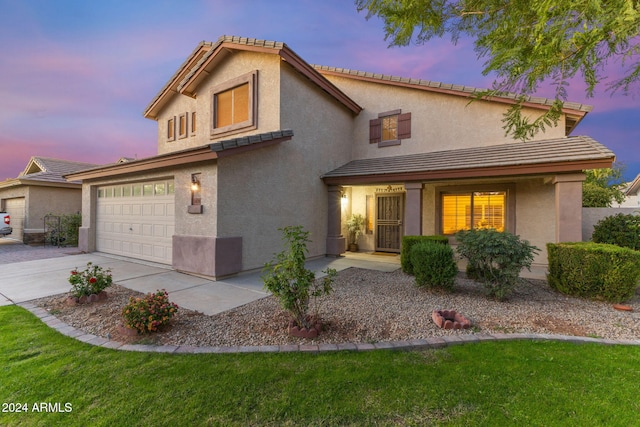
(368, 306)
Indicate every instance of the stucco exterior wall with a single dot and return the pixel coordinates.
(50, 200)
(535, 214)
(238, 64)
(438, 122)
(273, 187)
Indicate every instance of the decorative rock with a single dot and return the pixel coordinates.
(449, 319)
(128, 332)
(295, 331)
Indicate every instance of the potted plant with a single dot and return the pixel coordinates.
(354, 226)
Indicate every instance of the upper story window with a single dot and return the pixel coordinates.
(182, 125)
(234, 105)
(171, 129)
(390, 128)
(193, 123)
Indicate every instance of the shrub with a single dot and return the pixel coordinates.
(408, 242)
(293, 284)
(495, 258)
(593, 270)
(93, 280)
(150, 313)
(622, 230)
(433, 265)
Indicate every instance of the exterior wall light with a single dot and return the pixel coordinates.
(196, 195)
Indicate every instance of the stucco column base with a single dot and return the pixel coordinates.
(336, 246)
(86, 240)
(569, 207)
(214, 257)
(336, 243)
(413, 209)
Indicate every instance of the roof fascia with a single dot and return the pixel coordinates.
(150, 163)
(288, 55)
(634, 187)
(447, 91)
(489, 172)
(170, 87)
(200, 154)
(7, 183)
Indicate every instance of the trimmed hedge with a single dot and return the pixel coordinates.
(409, 241)
(433, 265)
(594, 270)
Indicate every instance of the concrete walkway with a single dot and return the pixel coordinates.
(28, 280)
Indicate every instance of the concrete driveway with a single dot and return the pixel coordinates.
(28, 276)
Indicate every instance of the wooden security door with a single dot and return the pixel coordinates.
(389, 215)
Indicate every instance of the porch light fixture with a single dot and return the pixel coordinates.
(195, 182)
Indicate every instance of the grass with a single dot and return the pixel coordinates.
(492, 384)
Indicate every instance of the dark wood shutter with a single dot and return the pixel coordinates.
(404, 126)
(375, 131)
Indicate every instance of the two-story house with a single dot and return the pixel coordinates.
(252, 138)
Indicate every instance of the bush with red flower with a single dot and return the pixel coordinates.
(93, 280)
(150, 313)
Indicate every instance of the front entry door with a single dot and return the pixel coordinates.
(389, 215)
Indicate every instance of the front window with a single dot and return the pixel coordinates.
(479, 209)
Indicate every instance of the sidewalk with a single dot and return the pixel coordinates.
(24, 280)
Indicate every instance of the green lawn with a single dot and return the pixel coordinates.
(492, 383)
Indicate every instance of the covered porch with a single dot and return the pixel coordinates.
(532, 189)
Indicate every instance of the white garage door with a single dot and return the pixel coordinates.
(15, 209)
(136, 220)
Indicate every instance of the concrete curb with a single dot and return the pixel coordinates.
(415, 344)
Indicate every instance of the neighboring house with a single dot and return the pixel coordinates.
(40, 190)
(632, 194)
(252, 138)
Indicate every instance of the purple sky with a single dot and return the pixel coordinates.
(75, 76)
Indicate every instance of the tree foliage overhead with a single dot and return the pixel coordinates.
(527, 42)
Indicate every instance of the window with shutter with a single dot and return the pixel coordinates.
(390, 128)
(234, 105)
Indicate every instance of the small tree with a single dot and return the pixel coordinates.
(294, 285)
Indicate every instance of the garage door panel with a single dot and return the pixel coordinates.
(139, 226)
(16, 210)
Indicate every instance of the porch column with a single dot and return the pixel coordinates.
(413, 211)
(336, 243)
(568, 207)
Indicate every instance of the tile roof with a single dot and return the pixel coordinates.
(249, 140)
(569, 149)
(466, 90)
(52, 170)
